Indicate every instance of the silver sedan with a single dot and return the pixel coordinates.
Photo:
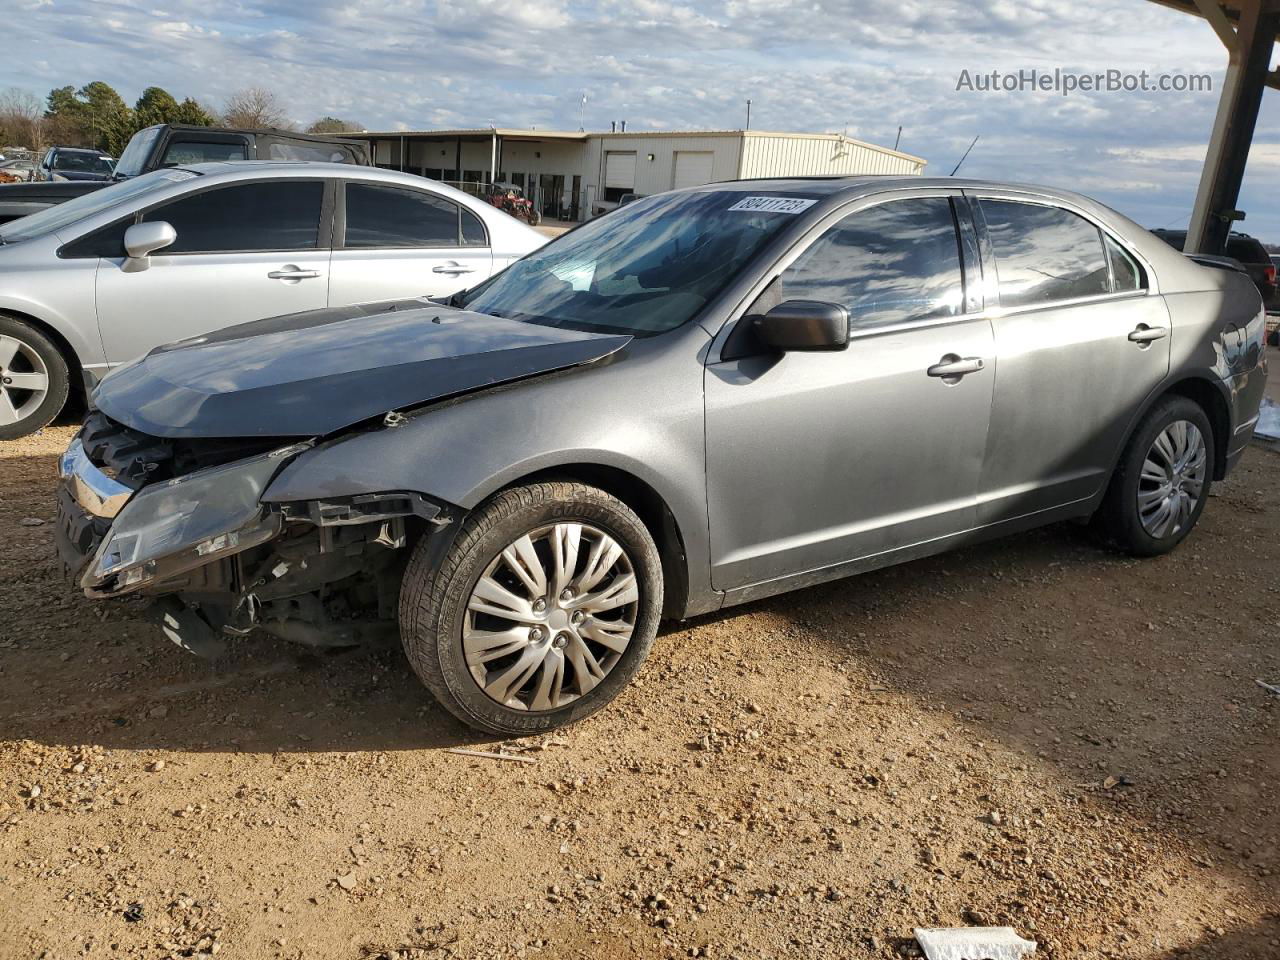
(705, 397)
(103, 278)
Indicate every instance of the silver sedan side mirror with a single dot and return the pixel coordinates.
(143, 239)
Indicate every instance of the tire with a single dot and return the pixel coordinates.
(439, 606)
(28, 357)
(1161, 523)
(535, 218)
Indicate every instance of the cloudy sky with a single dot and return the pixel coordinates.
(808, 65)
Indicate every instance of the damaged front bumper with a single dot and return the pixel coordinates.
(168, 528)
(324, 573)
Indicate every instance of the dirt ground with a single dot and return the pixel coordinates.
(1036, 732)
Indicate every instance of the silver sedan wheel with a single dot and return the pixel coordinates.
(550, 616)
(24, 380)
(1172, 479)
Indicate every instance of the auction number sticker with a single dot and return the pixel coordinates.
(773, 204)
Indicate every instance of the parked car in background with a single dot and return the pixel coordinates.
(169, 145)
(706, 397)
(177, 253)
(76, 164)
(17, 170)
(1247, 250)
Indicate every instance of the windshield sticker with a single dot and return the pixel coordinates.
(773, 204)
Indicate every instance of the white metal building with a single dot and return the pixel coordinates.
(570, 175)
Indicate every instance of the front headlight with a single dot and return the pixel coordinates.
(181, 524)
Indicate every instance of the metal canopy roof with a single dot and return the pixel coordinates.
(1224, 17)
(1249, 30)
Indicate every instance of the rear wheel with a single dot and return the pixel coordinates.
(1162, 482)
(34, 381)
(539, 615)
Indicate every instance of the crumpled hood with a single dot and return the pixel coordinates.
(309, 374)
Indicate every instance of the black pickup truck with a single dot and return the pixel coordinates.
(168, 145)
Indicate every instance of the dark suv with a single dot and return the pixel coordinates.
(1250, 253)
(76, 165)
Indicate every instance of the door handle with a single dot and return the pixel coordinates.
(1144, 334)
(291, 273)
(452, 268)
(952, 367)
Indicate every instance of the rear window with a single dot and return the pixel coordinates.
(1246, 250)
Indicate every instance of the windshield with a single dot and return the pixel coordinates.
(644, 269)
(137, 151)
(81, 162)
(86, 205)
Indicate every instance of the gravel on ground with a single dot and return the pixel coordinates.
(1036, 732)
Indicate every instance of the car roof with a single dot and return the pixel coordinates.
(293, 168)
(849, 187)
(232, 170)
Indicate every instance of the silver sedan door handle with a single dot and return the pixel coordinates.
(952, 367)
(1145, 334)
(452, 268)
(289, 272)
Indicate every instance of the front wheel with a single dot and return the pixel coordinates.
(34, 381)
(541, 612)
(1162, 482)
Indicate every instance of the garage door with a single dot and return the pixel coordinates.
(692, 168)
(620, 171)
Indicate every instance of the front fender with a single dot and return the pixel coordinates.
(463, 451)
(77, 300)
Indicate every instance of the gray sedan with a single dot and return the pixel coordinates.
(706, 397)
(103, 278)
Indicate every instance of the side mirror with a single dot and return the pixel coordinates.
(804, 325)
(143, 239)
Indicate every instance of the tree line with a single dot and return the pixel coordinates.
(95, 115)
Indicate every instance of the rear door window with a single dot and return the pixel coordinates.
(387, 216)
(1044, 254)
(268, 215)
(892, 263)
